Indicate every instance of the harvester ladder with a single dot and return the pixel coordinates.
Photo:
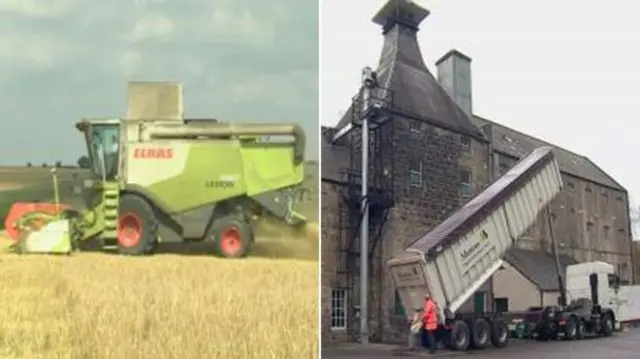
(110, 200)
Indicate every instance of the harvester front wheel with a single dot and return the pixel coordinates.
(137, 227)
(232, 236)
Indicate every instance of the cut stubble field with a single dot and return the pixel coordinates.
(93, 305)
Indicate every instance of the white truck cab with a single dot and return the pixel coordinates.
(598, 282)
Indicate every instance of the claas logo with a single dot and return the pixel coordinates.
(153, 153)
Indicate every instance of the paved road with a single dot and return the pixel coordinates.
(620, 346)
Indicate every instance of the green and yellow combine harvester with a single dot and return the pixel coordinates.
(157, 177)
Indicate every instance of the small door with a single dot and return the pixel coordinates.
(479, 299)
(501, 305)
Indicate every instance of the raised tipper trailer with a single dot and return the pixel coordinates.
(457, 257)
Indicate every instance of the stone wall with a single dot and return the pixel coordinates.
(636, 261)
(330, 239)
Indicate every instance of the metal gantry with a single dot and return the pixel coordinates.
(368, 197)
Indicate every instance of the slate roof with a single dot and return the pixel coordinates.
(538, 266)
(403, 74)
(517, 144)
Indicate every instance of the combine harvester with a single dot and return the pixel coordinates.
(458, 256)
(157, 177)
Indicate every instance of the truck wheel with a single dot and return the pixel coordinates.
(499, 333)
(137, 226)
(543, 331)
(232, 236)
(571, 329)
(580, 330)
(459, 336)
(480, 334)
(607, 325)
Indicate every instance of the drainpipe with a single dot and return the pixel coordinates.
(632, 279)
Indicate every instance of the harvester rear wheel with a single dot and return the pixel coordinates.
(137, 227)
(232, 236)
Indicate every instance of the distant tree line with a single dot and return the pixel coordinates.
(82, 162)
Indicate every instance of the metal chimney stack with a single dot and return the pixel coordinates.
(454, 75)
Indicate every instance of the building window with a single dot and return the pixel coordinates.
(398, 308)
(606, 230)
(465, 183)
(588, 190)
(338, 309)
(501, 305)
(570, 185)
(465, 143)
(414, 126)
(623, 272)
(605, 197)
(415, 174)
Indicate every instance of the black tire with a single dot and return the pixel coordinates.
(543, 332)
(459, 336)
(231, 228)
(571, 328)
(607, 325)
(136, 214)
(480, 334)
(580, 332)
(499, 333)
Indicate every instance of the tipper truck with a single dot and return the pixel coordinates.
(457, 257)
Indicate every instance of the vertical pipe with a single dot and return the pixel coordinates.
(56, 190)
(556, 257)
(364, 229)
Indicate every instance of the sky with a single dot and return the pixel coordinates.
(61, 60)
(558, 70)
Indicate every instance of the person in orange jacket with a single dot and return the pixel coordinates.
(431, 321)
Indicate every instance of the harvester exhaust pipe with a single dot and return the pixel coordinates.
(170, 130)
(56, 189)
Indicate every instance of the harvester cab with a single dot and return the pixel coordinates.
(156, 177)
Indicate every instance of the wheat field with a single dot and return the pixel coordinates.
(104, 306)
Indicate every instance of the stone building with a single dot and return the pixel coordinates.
(429, 155)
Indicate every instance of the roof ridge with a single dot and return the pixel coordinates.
(607, 180)
(532, 137)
